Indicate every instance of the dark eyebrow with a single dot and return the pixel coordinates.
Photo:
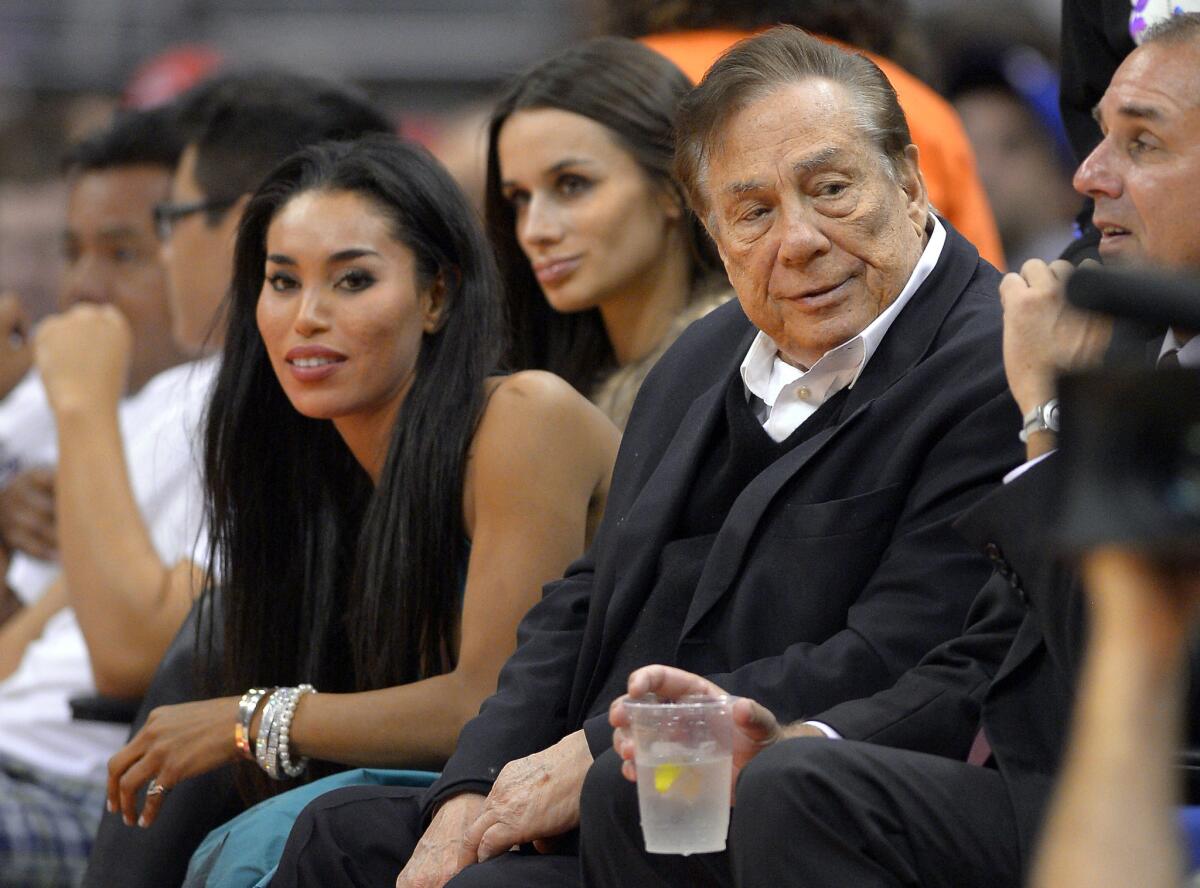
(816, 161)
(1139, 112)
(555, 168)
(570, 162)
(352, 253)
(740, 188)
(118, 232)
(805, 166)
(340, 256)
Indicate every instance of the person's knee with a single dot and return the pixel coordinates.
(795, 769)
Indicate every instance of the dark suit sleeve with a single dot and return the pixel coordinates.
(539, 672)
(935, 706)
(920, 592)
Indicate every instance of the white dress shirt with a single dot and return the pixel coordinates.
(783, 396)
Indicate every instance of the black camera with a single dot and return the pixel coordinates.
(1130, 437)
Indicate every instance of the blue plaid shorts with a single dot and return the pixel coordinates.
(47, 826)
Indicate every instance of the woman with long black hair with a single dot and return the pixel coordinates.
(603, 264)
(383, 507)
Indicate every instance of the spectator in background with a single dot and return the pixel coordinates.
(1008, 101)
(693, 34)
(603, 263)
(52, 768)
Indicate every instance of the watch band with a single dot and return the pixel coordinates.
(1042, 418)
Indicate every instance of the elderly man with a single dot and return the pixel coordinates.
(781, 506)
(904, 808)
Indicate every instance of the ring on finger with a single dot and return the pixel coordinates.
(156, 788)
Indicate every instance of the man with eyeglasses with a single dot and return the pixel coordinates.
(52, 767)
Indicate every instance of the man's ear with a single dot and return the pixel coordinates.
(671, 202)
(913, 183)
(433, 301)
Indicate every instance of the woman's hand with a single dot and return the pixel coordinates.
(175, 743)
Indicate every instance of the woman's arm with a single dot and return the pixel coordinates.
(128, 603)
(541, 455)
(540, 459)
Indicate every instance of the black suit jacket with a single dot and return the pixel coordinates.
(1015, 667)
(835, 570)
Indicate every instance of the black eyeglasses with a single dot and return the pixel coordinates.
(167, 214)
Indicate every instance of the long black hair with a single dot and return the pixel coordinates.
(633, 92)
(324, 579)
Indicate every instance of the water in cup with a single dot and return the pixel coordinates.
(683, 796)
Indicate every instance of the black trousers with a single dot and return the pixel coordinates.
(821, 814)
(364, 835)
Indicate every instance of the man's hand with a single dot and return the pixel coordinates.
(83, 356)
(535, 799)
(27, 514)
(1042, 333)
(437, 857)
(755, 728)
(16, 355)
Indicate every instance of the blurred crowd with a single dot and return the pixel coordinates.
(359, 462)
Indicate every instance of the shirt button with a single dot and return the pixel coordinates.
(803, 392)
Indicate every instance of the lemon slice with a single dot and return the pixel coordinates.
(665, 776)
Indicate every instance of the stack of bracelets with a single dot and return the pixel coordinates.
(274, 729)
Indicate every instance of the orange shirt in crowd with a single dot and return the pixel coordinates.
(947, 160)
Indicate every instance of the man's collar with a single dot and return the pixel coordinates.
(764, 373)
(1189, 353)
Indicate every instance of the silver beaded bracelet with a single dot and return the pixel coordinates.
(285, 760)
(274, 733)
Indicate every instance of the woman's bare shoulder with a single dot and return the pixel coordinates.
(538, 395)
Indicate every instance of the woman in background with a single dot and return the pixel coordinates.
(602, 261)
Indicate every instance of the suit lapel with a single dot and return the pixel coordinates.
(906, 342)
(654, 514)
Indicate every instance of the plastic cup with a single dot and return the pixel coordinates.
(684, 765)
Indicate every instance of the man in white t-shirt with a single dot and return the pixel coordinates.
(52, 767)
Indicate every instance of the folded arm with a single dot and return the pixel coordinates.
(128, 602)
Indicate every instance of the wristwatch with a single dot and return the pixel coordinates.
(1042, 418)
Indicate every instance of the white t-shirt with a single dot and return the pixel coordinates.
(161, 429)
(28, 441)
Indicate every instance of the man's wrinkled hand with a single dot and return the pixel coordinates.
(83, 356)
(755, 727)
(535, 799)
(27, 513)
(1043, 335)
(437, 857)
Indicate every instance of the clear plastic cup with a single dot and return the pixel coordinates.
(684, 768)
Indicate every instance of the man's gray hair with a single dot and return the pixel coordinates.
(1179, 28)
(758, 65)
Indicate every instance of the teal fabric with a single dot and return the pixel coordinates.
(244, 852)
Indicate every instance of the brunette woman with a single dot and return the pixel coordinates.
(603, 264)
(383, 506)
